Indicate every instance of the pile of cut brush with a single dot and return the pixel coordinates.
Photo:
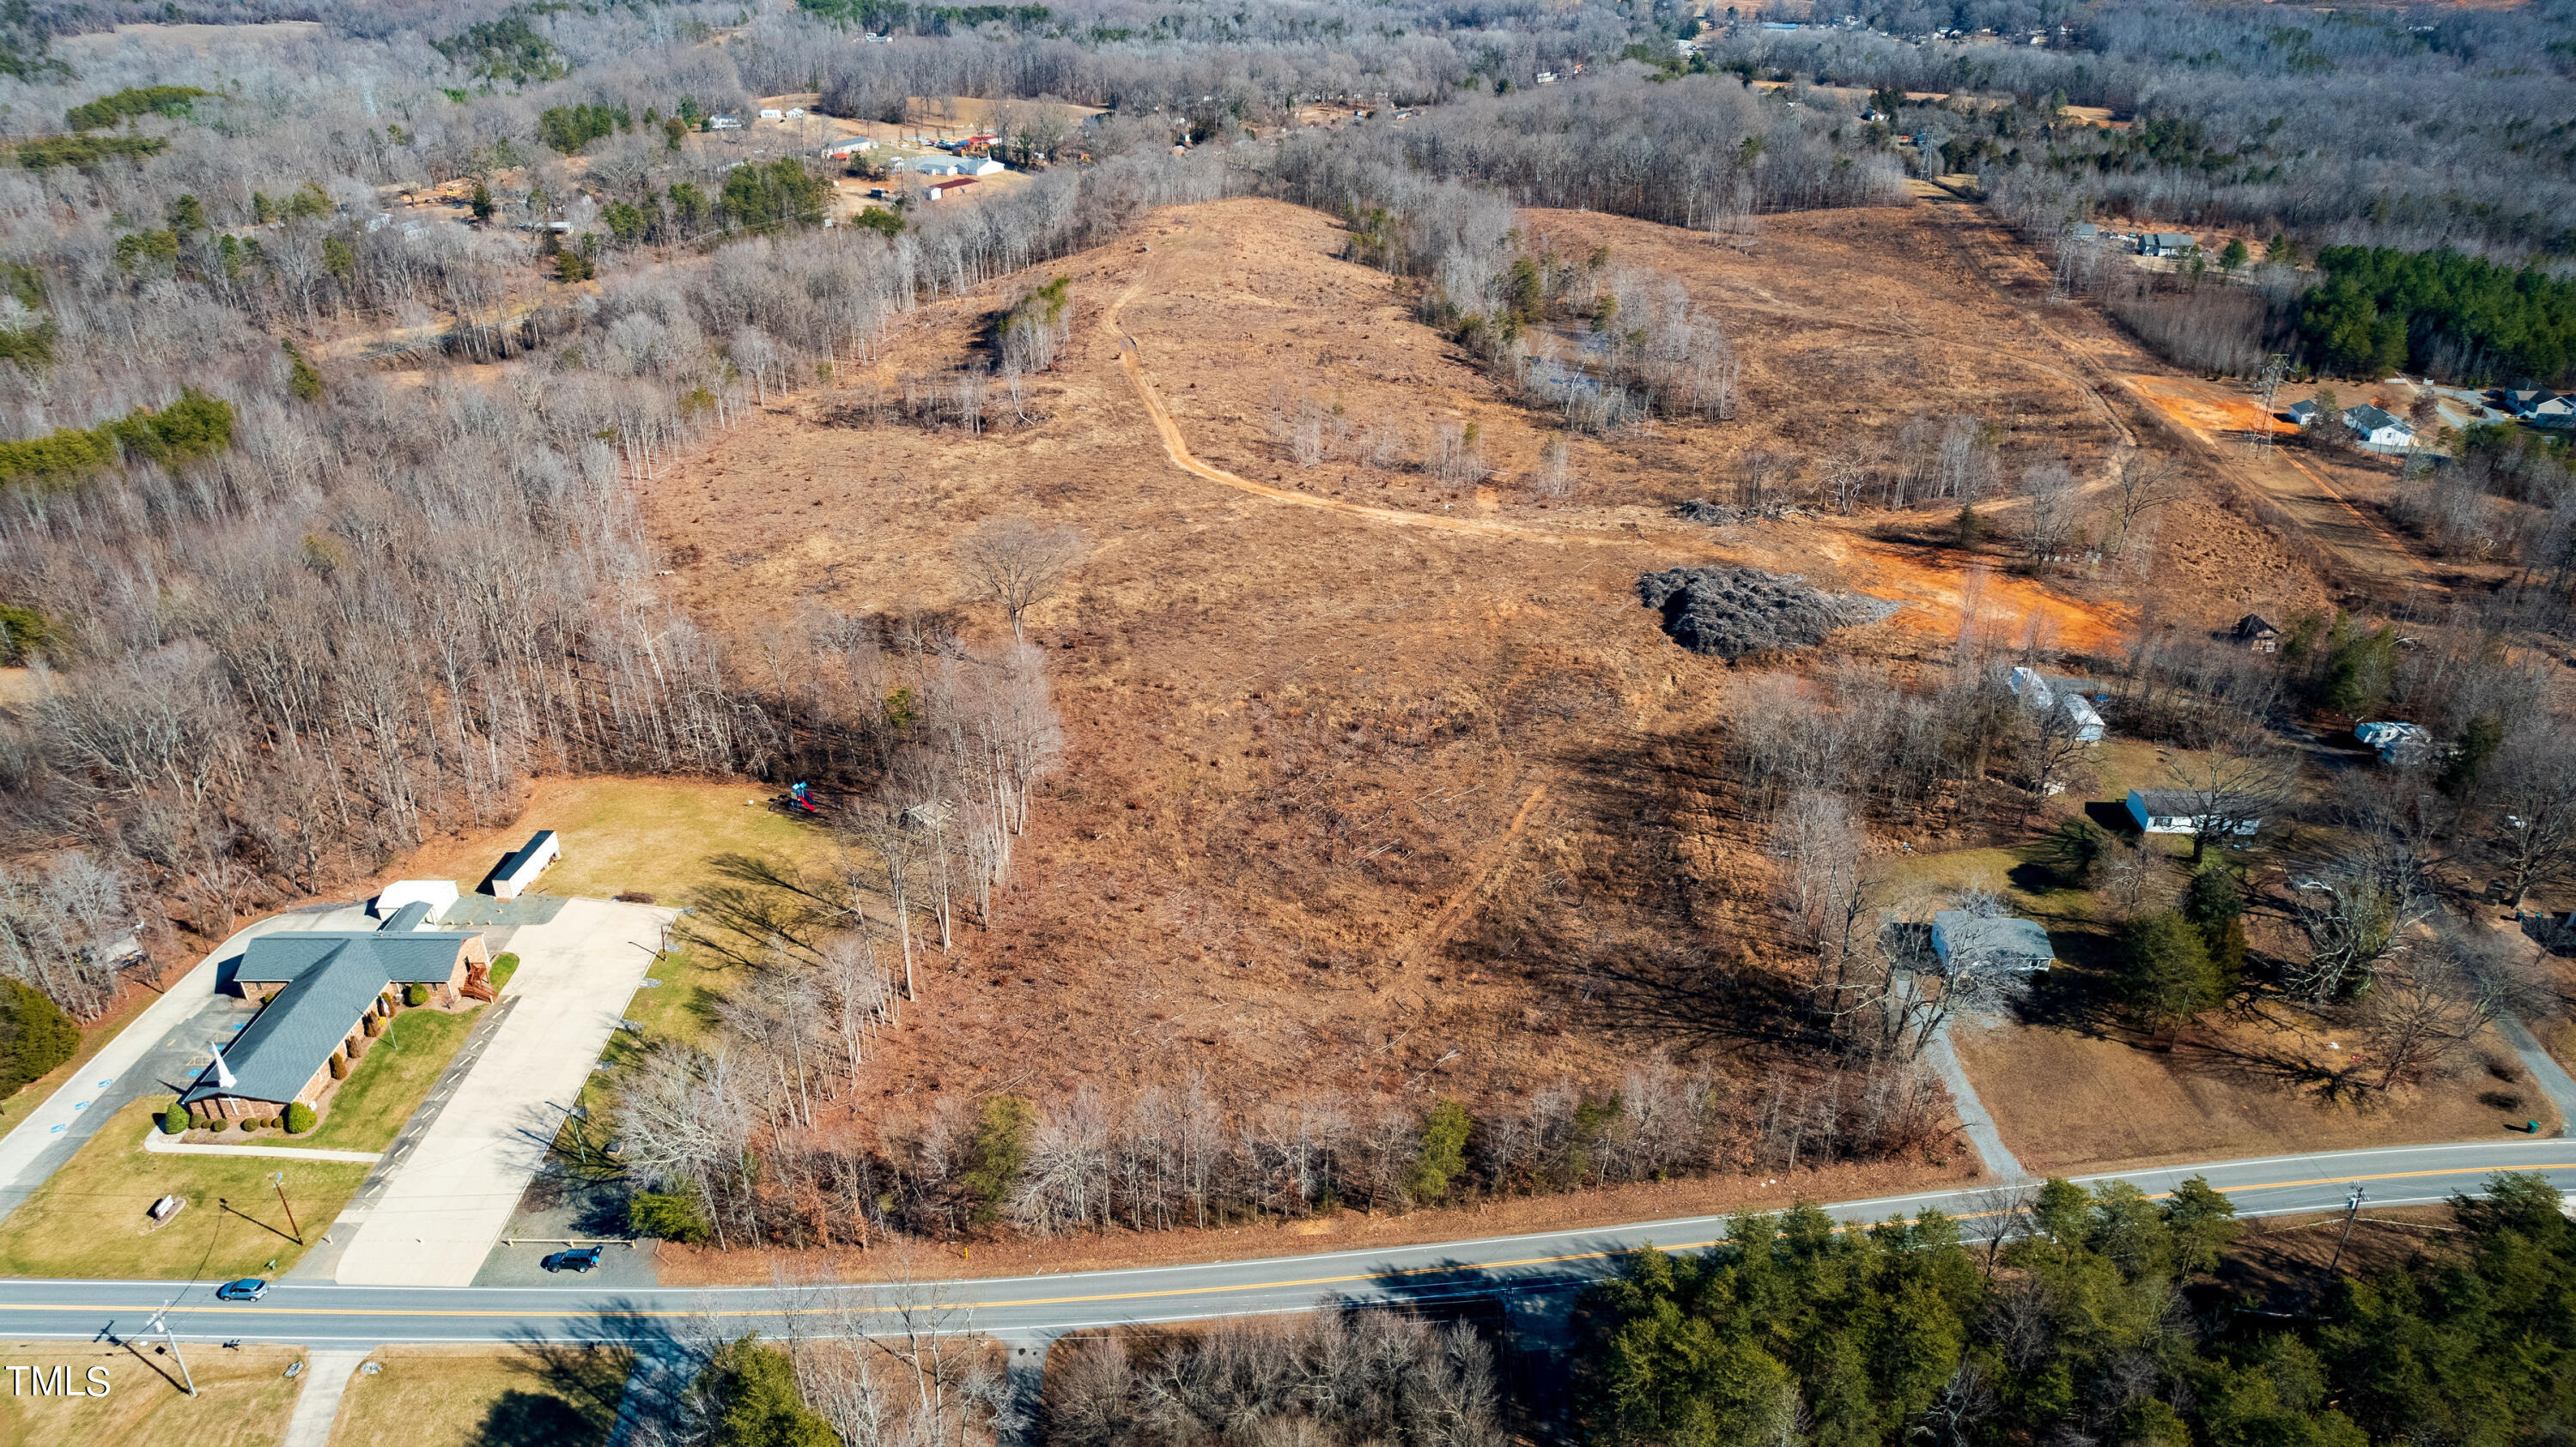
(1732, 612)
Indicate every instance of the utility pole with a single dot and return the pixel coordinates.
(2352, 1210)
(2276, 369)
(161, 1321)
(278, 1179)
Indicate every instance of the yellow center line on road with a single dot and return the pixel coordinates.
(1249, 1286)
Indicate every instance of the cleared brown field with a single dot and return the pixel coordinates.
(1352, 753)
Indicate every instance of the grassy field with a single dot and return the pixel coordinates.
(390, 1082)
(648, 836)
(463, 1397)
(89, 1219)
(244, 1397)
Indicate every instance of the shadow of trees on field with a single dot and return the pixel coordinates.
(576, 1389)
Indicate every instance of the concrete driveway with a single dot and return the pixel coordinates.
(452, 1192)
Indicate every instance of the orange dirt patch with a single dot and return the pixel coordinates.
(2214, 417)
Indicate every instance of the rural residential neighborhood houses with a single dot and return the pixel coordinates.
(2397, 743)
(2064, 695)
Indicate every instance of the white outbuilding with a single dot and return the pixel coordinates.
(521, 869)
(439, 894)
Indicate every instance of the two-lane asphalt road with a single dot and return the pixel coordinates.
(323, 1314)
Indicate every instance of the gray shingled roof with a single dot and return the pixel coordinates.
(330, 980)
(1990, 939)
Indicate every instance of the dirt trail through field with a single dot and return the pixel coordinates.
(2332, 523)
(2208, 413)
(1175, 446)
(1435, 936)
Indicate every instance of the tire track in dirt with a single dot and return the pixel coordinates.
(1177, 448)
(1454, 912)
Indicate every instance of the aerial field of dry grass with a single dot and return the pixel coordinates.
(1338, 734)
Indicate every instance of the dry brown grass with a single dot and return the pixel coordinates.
(464, 1396)
(243, 1397)
(1329, 769)
(2069, 1101)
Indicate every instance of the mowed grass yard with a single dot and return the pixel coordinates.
(648, 836)
(243, 1397)
(469, 1396)
(89, 1219)
(390, 1081)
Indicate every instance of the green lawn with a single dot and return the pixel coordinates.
(390, 1081)
(652, 836)
(89, 1220)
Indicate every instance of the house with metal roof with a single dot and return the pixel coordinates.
(316, 990)
(2181, 811)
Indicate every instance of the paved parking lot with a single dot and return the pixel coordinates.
(448, 1195)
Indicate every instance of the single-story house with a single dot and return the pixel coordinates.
(772, 113)
(1967, 942)
(2166, 243)
(521, 868)
(2303, 414)
(2377, 428)
(315, 991)
(2065, 695)
(724, 123)
(2180, 811)
(840, 150)
(2543, 409)
(940, 190)
(439, 894)
(982, 166)
(2257, 633)
(2397, 743)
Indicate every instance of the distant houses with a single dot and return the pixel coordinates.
(2065, 695)
(2166, 243)
(2397, 743)
(2542, 408)
(2258, 634)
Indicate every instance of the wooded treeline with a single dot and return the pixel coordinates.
(2087, 1314)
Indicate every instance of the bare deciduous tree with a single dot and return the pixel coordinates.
(1019, 563)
